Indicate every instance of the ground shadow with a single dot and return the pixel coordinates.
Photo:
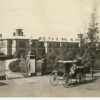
(74, 84)
(20, 77)
(17, 78)
(3, 84)
(82, 83)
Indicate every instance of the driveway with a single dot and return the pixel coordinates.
(39, 86)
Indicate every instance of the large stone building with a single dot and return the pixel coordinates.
(19, 45)
(57, 47)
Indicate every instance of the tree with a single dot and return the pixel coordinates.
(92, 36)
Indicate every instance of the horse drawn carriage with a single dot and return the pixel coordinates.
(68, 71)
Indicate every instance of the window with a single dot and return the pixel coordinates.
(22, 44)
(63, 44)
(9, 43)
(50, 50)
(21, 53)
(1, 43)
(41, 44)
(9, 51)
(33, 51)
(77, 45)
(33, 44)
(66, 44)
(72, 45)
(39, 50)
(43, 51)
(58, 45)
(69, 45)
(50, 44)
(54, 44)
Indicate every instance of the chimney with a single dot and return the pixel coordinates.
(57, 38)
(71, 39)
(49, 38)
(19, 32)
(14, 34)
(40, 38)
(80, 36)
(44, 38)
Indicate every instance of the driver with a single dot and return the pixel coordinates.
(72, 69)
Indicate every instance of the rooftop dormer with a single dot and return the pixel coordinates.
(19, 32)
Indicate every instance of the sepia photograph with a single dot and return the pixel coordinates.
(50, 48)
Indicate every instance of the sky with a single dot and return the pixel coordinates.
(50, 18)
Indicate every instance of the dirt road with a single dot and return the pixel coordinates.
(39, 86)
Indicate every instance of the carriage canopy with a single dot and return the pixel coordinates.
(66, 62)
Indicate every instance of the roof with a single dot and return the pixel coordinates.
(58, 41)
(42, 39)
(18, 37)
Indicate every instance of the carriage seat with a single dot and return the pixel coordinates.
(80, 66)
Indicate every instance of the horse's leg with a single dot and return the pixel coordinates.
(71, 79)
(76, 78)
(85, 76)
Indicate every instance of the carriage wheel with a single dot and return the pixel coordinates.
(66, 80)
(80, 77)
(53, 78)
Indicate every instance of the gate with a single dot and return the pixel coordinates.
(28, 66)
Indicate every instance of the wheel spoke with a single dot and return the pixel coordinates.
(80, 77)
(66, 80)
(53, 79)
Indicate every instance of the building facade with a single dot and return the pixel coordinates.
(52, 49)
(19, 45)
(58, 49)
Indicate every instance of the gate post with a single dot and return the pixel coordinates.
(3, 67)
(31, 64)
